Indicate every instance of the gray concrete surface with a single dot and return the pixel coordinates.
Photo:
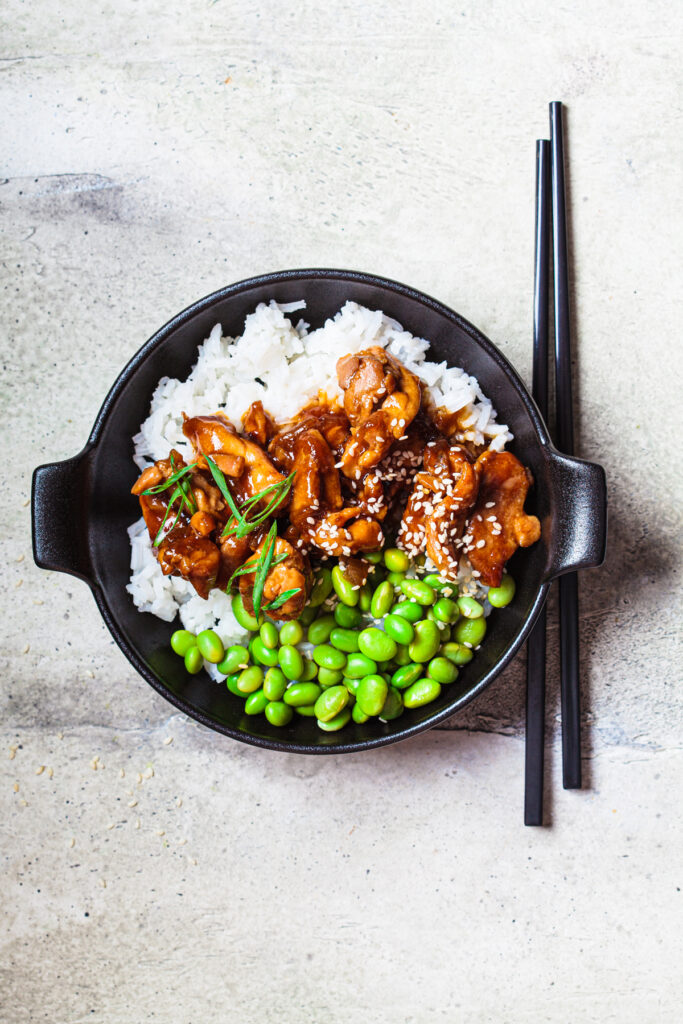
(154, 870)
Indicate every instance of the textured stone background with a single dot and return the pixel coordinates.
(154, 152)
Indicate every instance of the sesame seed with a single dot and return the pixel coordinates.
(481, 544)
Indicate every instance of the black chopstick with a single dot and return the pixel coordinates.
(569, 609)
(535, 669)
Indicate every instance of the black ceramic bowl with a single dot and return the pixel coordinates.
(82, 507)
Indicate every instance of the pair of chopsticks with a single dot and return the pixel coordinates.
(551, 208)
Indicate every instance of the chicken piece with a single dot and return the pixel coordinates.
(499, 524)
(331, 422)
(381, 399)
(197, 559)
(292, 573)
(443, 494)
(244, 462)
(258, 425)
(317, 506)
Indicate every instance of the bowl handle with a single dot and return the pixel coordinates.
(59, 504)
(578, 529)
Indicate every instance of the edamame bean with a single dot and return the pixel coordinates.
(327, 656)
(373, 557)
(310, 671)
(393, 706)
(268, 634)
(457, 653)
(193, 660)
(235, 657)
(382, 600)
(344, 639)
(418, 590)
(376, 644)
(299, 694)
(351, 685)
(331, 702)
(278, 713)
(292, 633)
(358, 714)
(399, 629)
(396, 578)
(256, 703)
(182, 640)
(245, 620)
(499, 597)
(319, 631)
(426, 642)
(264, 655)
(396, 560)
(322, 588)
(406, 675)
(442, 669)
(358, 665)
(250, 679)
(424, 691)
(347, 618)
(470, 631)
(291, 662)
(402, 656)
(307, 616)
(410, 610)
(274, 684)
(329, 677)
(231, 683)
(210, 646)
(372, 693)
(445, 610)
(446, 587)
(365, 598)
(344, 588)
(470, 608)
(336, 723)
(308, 711)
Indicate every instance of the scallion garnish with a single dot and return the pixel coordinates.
(261, 573)
(158, 488)
(281, 599)
(239, 522)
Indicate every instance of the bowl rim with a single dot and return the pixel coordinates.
(123, 380)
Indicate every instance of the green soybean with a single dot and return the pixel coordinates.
(358, 665)
(231, 683)
(393, 706)
(446, 587)
(264, 655)
(442, 669)
(319, 631)
(396, 578)
(291, 662)
(445, 610)
(424, 691)
(327, 656)
(351, 685)
(399, 629)
(376, 644)
(344, 639)
(269, 635)
(336, 723)
(274, 684)
(236, 657)
(406, 675)
(372, 693)
(457, 653)
(210, 646)
(310, 671)
(329, 677)
(470, 608)
(344, 588)
(373, 557)
(499, 597)
(382, 600)
(278, 713)
(347, 618)
(291, 633)
(331, 702)
(307, 616)
(396, 560)
(322, 588)
(359, 715)
(250, 679)
(365, 597)
(410, 610)
(402, 656)
(193, 660)
(299, 694)
(182, 640)
(245, 620)
(308, 711)
(418, 590)
(256, 703)
(426, 642)
(470, 631)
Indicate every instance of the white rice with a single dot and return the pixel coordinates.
(284, 365)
